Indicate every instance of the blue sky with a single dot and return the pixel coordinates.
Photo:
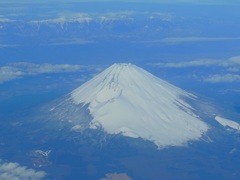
(137, 1)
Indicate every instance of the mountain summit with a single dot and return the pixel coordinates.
(125, 99)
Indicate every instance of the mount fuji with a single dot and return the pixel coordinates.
(125, 99)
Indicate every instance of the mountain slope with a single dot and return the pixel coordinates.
(128, 100)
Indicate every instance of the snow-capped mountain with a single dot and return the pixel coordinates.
(125, 99)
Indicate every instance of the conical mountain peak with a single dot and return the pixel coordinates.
(122, 65)
(128, 100)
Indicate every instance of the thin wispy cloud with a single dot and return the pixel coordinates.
(185, 64)
(9, 45)
(30, 68)
(163, 16)
(19, 70)
(13, 171)
(69, 41)
(196, 39)
(226, 78)
(233, 62)
(8, 73)
(178, 40)
(5, 20)
(230, 68)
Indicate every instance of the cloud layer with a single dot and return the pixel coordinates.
(223, 78)
(18, 70)
(229, 72)
(178, 40)
(233, 62)
(69, 41)
(13, 171)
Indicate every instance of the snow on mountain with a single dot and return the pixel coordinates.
(227, 123)
(128, 100)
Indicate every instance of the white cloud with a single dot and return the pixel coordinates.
(196, 39)
(231, 91)
(8, 45)
(70, 41)
(5, 20)
(178, 40)
(18, 70)
(13, 171)
(201, 62)
(163, 16)
(8, 73)
(233, 69)
(32, 69)
(229, 68)
(233, 62)
(223, 78)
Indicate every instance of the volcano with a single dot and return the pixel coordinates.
(125, 99)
